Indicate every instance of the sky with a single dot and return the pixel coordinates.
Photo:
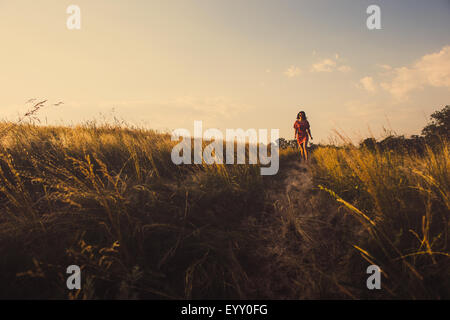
(230, 63)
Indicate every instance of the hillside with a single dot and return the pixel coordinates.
(110, 200)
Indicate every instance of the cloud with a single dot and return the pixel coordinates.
(368, 84)
(330, 65)
(325, 65)
(430, 70)
(344, 68)
(293, 71)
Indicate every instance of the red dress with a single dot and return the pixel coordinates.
(301, 127)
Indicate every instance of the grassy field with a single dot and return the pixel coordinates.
(110, 200)
(402, 201)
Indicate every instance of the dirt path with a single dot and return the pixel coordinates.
(296, 176)
(300, 240)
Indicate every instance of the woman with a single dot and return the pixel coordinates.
(302, 131)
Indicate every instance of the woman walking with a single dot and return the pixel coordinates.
(302, 131)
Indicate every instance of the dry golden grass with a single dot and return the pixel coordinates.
(402, 201)
(109, 199)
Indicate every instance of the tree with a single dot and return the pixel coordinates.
(369, 144)
(439, 125)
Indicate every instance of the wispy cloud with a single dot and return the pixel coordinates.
(344, 68)
(330, 65)
(326, 65)
(430, 70)
(368, 84)
(293, 71)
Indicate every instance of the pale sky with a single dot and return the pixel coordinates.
(231, 63)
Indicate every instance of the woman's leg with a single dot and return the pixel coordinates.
(300, 148)
(301, 151)
(305, 150)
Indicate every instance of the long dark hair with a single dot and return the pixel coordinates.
(303, 114)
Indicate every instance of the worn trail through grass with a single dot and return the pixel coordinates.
(299, 239)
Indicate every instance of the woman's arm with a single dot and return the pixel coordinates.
(309, 132)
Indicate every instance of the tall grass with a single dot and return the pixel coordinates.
(110, 200)
(402, 202)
